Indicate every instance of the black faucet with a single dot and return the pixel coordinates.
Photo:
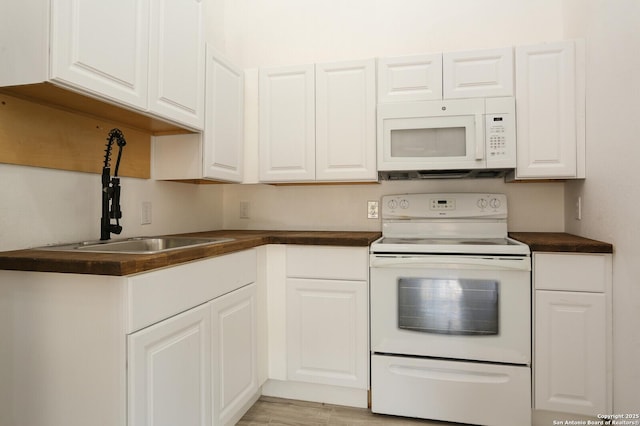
(111, 188)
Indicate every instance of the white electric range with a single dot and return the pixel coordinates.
(450, 311)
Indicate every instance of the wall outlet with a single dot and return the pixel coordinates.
(145, 213)
(578, 214)
(244, 210)
(372, 209)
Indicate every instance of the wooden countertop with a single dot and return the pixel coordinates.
(561, 242)
(125, 264)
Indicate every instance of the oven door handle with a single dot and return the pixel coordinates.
(477, 263)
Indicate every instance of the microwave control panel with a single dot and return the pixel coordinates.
(500, 133)
(497, 135)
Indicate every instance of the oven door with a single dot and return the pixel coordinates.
(452, 306)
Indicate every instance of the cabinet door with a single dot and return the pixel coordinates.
(410, 78)
(224, 125)
(479, 73)
(346, 121)
(570, 365)
(235, 352)
(287, 124)
(546, 111)
(327, 332)
(170, 372)
(176, 61)
(102, 47)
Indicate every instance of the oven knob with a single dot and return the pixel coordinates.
(393, 204)
(404, 204)
(495, 203)
(482, 203)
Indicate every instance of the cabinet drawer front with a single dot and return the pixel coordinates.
(157, 295)
(571, 272)
(329, 262)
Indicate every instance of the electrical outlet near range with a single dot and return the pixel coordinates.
(372, 209)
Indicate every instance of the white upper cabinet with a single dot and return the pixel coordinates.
(478, 73)
(449, 75)
(223, 146)
(346, 121)
(147, 55)
(317, 123)
(102, 47)
(410, 78)
(176, 61)
(218, 152)
(287, 124)
(550, 103)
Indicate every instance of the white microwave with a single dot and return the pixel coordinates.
(454, 135)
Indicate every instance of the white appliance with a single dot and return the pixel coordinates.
(463, 136)
(450, 311)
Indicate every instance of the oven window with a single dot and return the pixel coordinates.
(448, 306)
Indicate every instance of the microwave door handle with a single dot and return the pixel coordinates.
(480, 137)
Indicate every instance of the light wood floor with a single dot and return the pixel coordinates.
(276, 411)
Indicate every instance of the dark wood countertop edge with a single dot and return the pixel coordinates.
(561, 242)
(34, 260)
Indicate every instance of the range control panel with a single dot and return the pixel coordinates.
(443, 205)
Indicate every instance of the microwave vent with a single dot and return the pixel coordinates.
(442, 174)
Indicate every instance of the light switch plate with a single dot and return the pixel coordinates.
(145, 213)
(244, 210)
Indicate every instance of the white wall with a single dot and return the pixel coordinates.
(344, 207)
(42, 206)
(611, 192)
(279, 32)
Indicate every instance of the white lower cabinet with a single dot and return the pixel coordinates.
(234, 354)
(572, 336)
(170, 371)
(326, 323)
(197, 366)
(318, 316)
(173, 346)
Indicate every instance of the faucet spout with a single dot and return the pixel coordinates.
(111, 188)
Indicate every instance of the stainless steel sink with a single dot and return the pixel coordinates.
(138, 245)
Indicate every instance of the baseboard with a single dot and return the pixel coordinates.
(337, 395)
(245, 407)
